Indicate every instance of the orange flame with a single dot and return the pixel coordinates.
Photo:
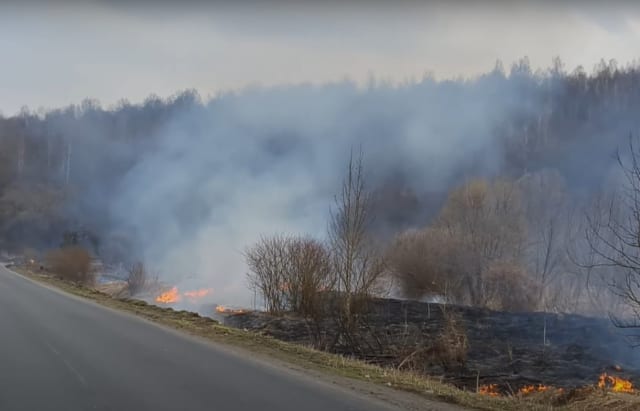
(226, 310)
(197, 293)
(615, 384)
(491, 390)
(170, 296)
(174, 296)
(529, 389)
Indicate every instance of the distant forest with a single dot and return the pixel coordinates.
(139, 179)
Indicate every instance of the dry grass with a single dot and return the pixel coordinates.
(308, 358)
(592, 398)
(116, 289)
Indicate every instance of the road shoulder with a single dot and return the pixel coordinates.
(399, 389)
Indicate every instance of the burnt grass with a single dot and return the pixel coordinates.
(511, 350)
(287, 340)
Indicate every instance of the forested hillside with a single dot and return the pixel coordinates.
(187, 182)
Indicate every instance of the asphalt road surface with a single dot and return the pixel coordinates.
(59, 352)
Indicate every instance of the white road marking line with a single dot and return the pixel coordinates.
(69, 366)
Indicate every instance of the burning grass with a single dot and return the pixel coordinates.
(490, 390)
(172, 295)
(532, 389)
(169, 297)
(527, 398)
(609, 393)
(221, 309)
(615, 384)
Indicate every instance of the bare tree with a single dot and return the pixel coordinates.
(472, 253)
(488, 221)
(357, 264)
(549, 217)
(613, 234)
(268, 267)
(586, 285)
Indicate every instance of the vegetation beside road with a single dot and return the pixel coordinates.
(332, 364)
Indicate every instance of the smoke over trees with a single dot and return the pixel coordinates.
(472, 252)
(185, 185)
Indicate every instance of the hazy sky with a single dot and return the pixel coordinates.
(58, 53)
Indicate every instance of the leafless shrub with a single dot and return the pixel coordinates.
(426, 262)
(310, 277)
(72, 264)
(448, 348)
(268, 267)
(137, 278)
(506, 287)
(451, 345)
(290, 273)
(462, 255)
(487, 220)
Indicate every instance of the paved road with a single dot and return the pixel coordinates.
(61, 353)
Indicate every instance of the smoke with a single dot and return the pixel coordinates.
(113, 48)
(185, 184)
(270, 160)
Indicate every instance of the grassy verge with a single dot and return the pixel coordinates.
(431, 388)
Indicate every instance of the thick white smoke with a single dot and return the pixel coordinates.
(270, 161)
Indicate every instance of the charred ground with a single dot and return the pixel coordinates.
(511, 350)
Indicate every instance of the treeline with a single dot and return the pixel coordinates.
(510, 245)
(481, 168)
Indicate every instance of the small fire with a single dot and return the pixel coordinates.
(529, 389)
(197, 293)
(174, 296)
(615, 384)
(168, 297)
(491, 390)
(226, 310)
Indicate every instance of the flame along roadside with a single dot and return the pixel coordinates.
(605, 381)
(174, 296)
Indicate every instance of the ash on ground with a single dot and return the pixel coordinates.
(508, 348)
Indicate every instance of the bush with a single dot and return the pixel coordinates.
(310, 275)
(426, 262)
(433, 262)
(268, 264)
(290, 273)
(506, 287)
(71, 264)
(472, 253)
(137, 279)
